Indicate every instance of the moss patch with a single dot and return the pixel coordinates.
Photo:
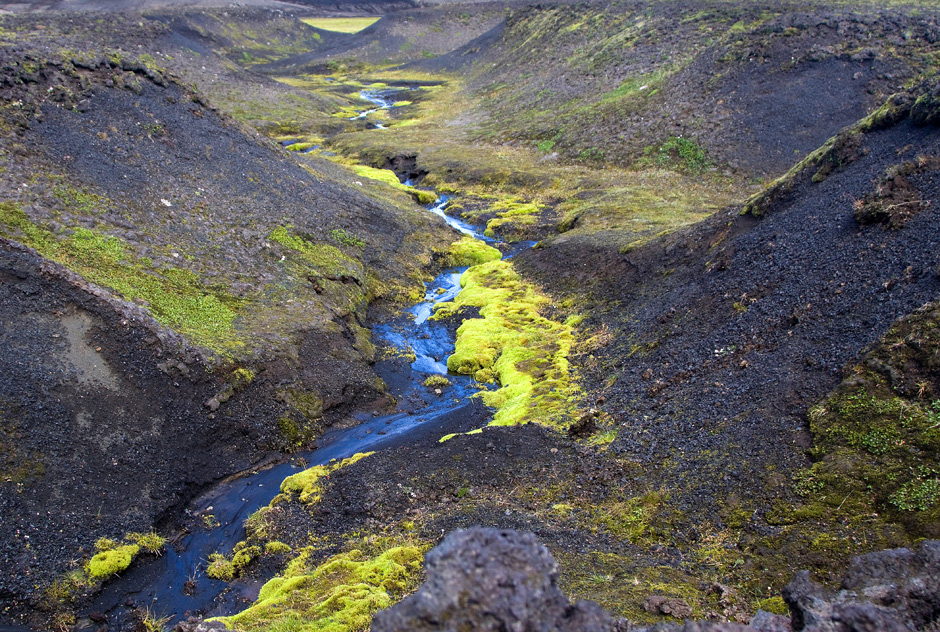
(176, 297)
(514, 344)
(470, 252)
(112, 561)
(388, 177)
(306, 485)
(877, 437)
(341, 594)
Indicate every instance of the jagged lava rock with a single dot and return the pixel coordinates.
(491, 579)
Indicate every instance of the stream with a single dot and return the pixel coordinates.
(383, 99)
(159, 584)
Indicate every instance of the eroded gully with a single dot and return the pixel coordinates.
(176, 585)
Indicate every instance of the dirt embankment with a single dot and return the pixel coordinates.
(102, 422)
(711, 345)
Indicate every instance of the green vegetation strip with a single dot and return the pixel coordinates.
(175, 297)
(470, 252)
(514, 344)
(340, 594)
(388, 177)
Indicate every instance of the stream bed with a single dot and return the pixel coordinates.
(176, 584)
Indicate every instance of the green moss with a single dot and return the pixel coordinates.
(341, 594)
(630, 519)
(470, 252)
(677, 152)
(512, 216)
(776, 605)
(437, 381)
(177, 298)
(277, 548)
(151, 542)
(219, 567)
(112, 561)
(306, 484)
(514, 344)
(224, 569)
(388, 177)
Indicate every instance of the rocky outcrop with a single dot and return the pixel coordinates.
(490, 579)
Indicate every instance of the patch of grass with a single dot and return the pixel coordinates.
(339, 595)
(512, 343)
(437, 381)
(677, 152)
(151, 542)
(629, 584)
(630, 519)
(341, 25)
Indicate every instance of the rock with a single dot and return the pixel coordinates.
(768, 622)
(196, 624)
(672, 606)
(490, 579)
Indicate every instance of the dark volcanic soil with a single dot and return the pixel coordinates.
(722, 335)
(102, 425)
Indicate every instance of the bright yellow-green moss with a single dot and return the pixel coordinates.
(438, 381)
(151, 542)
(470, 252)
(340, 595)
(512, 212)
(113, 561)
(277, 548)
(514, 344)
(340, 25)
(388, 177)
(327, 259)
(450, 436)
(175, 297)
(220, 567)
(775, 605)
(306, 484)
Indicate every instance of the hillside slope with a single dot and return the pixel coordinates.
(187, 288)
(756, 85)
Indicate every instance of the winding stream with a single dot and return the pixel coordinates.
(383, 99)
(160, 586)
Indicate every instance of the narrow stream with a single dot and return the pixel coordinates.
(383, 99)
(160, 586)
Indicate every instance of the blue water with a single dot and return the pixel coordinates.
(233, 501)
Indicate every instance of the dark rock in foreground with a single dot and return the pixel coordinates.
(490, 579)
